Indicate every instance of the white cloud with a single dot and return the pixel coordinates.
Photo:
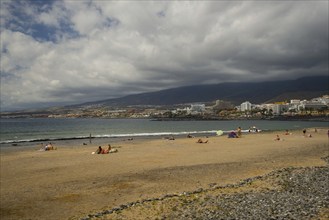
(155, 45)
(86, 21)
(53, 16)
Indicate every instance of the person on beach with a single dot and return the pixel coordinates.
(50, 146)
(47, 147)
(108, 150)
(200, 141)
(232, 134)
(287, 132)
(239, 132)
(99, 150)
(171, 138)
(277, 138)
(253, 129)
(304, 132)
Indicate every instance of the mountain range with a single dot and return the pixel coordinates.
(236, 93)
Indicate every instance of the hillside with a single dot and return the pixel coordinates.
(303, 88)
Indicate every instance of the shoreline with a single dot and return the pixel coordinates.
(121, 130)
(72, 183)
(114, 138)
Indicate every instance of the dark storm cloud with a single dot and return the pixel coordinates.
(100, 49)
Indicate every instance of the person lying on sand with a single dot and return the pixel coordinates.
(200, 141)
(109, 150)
(100, 150)
(170, 138)
(47, 147)
(278, 138)
(232, 134)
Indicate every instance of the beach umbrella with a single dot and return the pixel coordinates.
(219, 132)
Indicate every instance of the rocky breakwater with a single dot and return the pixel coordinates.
(289, 193)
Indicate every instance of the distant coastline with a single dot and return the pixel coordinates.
(273, 118)
(191, 118)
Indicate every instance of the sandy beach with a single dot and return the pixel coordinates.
(71, 182)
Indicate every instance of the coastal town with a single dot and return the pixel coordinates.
(218, 110)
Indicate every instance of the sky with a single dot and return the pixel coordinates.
(68, 52)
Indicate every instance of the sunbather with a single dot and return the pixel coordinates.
(200, 141)
(99, 150)
(107, 151)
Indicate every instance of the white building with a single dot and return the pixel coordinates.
(293, 105)
(245, 106)
(294, 101)
(311, 105)
(324, 99)
(278, 109)
(197, 109)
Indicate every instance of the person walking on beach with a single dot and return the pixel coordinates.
(304, 132)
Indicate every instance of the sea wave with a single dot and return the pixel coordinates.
(154, 134)
(41, 139)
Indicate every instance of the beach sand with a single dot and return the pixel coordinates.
(71, 182)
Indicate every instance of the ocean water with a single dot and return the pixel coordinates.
(44, 129)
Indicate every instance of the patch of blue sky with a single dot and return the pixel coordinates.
(25, 21)
(42, 32)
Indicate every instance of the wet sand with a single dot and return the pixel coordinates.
(70, 182)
